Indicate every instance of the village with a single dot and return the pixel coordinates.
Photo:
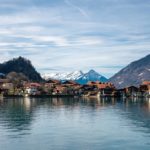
(55, 88)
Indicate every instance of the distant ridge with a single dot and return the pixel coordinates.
(20, 65)
(77, 76)
(134, 74)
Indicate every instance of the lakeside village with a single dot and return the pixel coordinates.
(55, 88)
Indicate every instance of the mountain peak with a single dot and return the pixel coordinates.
(20, 58)
(78, 72)
(92, 75)
(93, 72)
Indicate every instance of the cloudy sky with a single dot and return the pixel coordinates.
(68, 35)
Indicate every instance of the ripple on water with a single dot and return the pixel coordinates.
(74, 124)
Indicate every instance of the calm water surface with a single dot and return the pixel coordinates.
(74, 124)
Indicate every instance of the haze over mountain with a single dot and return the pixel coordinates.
(20, 65)
(77, 76)
(134, 74)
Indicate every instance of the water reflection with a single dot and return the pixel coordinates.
(15, 114)
(18, 113)
(27, 105)
(33, 116)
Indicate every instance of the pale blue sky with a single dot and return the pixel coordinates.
(68, 35)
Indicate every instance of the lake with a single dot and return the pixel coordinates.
(74, 124)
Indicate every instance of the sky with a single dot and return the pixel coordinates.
(69, 35)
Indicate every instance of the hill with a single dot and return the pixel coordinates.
(20, 65)
(134, 74)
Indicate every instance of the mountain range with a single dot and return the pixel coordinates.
(78, 76)
(133, 74)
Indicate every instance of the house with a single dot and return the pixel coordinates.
(2, 75)
(60, 89)
(121, 93)
(145, 88)
(70, 83)
(52, 83)
(6, 85)
(32, 88)
(72, 87)
(87, 89)
(92, 94)
(105, 89)
(132, 91)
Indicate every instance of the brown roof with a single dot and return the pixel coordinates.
(60, 88)
(53, 81)
(91, 82)
(146, 83)
(33, 84)
(4, 80)
(101, 85)
(131, 87)
(70, 82)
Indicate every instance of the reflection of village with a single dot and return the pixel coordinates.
(55, 88)
(28, 104)
(22, 112)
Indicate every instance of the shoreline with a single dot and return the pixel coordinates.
(69, 96)
(37, 96)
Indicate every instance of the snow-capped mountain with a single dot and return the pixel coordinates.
(77, 76)
(92, 75)
(64, 76)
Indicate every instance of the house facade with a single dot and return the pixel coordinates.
(32, 88)
(145, 88)
(104, 89)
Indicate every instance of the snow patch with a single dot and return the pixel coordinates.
(141, 74)
(120, 82)
(148, 69)
(63, 76)
(76, 75)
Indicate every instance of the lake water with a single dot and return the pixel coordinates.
(74, 124)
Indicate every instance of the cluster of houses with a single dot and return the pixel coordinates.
(142, 91)
(71, 88)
